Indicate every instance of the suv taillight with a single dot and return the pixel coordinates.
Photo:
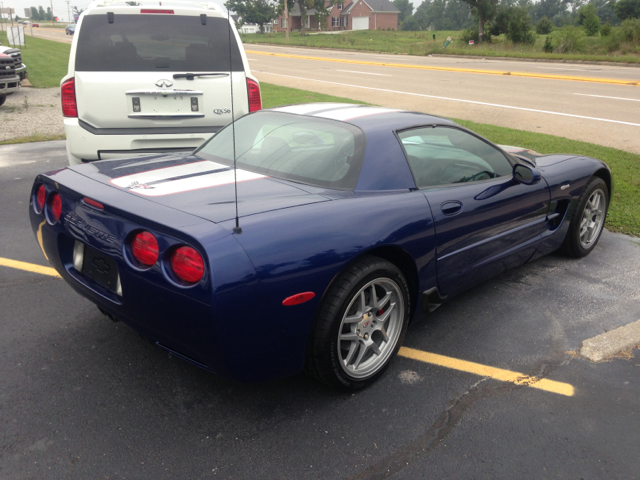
(255, 102)
(68, 94)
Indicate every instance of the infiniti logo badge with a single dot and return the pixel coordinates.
(164, 83)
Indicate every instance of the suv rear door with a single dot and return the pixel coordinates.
(130, 70)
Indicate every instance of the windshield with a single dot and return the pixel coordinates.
(314, 151)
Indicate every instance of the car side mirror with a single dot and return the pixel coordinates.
(525, 174)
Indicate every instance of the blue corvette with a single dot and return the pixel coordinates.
(353, 221)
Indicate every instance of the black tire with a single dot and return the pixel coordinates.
(3, 98)
(325, 353)
(573, 245)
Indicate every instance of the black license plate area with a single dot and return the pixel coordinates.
(100, 268)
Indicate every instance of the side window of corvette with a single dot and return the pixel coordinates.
(444, 155)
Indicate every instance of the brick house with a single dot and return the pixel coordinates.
(350, 15)
(363, 15)
(295, 17)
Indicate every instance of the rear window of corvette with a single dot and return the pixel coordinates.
(310, 150)
(152, 43)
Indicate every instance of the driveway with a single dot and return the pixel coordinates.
(83, 397)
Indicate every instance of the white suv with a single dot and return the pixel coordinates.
(149, 79)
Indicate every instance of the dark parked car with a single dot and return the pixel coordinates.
(348, 223)
(70, 29)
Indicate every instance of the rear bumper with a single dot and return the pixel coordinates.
(9, 85)
(218, 325)
(86, 143)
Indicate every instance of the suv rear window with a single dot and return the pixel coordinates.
(151, 43)
(314, 151)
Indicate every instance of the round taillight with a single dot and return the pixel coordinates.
(144, 248)
(40, 197)
(187, 264)
(56, 207)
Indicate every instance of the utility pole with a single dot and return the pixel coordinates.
(286, 18)
(69, 11)
(1, 20)
(52, 17)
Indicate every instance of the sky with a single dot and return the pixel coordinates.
(60, 6)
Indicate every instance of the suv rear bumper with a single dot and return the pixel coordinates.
(9, 85)
(86, 143)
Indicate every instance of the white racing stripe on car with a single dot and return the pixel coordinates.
(356, 112)
(182, 178)
(306, 109)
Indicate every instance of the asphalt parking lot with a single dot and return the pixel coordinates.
(82, 397)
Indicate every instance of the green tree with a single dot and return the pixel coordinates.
(41, 13)
(588, 18)
(485, 10)
(544, 26)
(627, 9)
(253, 11)
(519, 26)
(405, 7)
(34, 14)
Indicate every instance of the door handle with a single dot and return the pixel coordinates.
(451, 207)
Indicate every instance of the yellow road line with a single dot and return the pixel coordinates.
(28, 267)
(452, 69)
(487, 371)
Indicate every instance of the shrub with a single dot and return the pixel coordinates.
(589, 19)
(631, 29)
(519, 30)
(570, 40)
(471, 33)
(612, 42)
(544, 26)
(548, 46)
(605, 30)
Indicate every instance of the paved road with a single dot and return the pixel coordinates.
(55, 34)
(84, 398)
(603, 113)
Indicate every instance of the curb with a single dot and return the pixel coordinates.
(604, 346)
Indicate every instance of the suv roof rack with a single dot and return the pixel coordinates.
(167, 3)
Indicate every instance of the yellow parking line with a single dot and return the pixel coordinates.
(487, 371)
(28, 267)
(452, 69)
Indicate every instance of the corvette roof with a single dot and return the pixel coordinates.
(363, 115)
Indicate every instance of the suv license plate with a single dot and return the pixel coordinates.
(101, 268)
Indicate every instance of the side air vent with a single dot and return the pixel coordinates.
(559, 210)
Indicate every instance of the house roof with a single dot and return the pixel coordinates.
(378, 6)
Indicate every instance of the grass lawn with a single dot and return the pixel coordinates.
(46, 61)
(273, 96)
(422, 43)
